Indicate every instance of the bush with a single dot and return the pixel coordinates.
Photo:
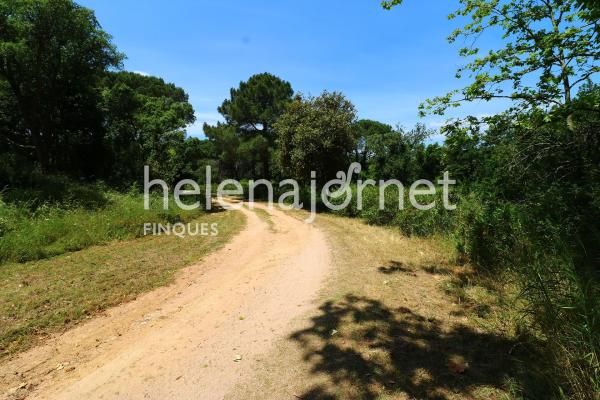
(407, 218)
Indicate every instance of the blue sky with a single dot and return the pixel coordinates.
(385, 62)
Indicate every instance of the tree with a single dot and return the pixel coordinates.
(364, 130)
(399, 154)
(256, 104)
(9, 120)
(431, 165)
(253, 109)
(197, 155)
(253, 156)
(145, 121)
(462, 151)
(226, 142)
(316, 134)
(594, 7)
(553, 43)
(53, 54)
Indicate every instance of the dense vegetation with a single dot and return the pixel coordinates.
(74, 130)
(527, 208)
(529, 179)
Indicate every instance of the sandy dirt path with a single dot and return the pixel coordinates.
(185, 341)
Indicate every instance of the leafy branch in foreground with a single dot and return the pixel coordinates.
(550, 48)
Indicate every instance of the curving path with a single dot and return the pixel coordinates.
(194, 339)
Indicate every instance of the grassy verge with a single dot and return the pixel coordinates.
(390, 325)
(37, 232)
(544, 245)
(41, 297)
(265, 216)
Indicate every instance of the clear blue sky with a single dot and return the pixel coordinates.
(385, 62)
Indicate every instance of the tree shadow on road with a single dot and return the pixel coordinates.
(364, 350)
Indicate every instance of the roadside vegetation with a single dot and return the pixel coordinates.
(34, 230)
(69, 250)
(38, 298)
(401, 317)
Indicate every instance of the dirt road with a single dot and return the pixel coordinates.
(195, 339)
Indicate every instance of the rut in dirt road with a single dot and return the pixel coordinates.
(194, 339)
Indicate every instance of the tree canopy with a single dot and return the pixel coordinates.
(315, 134)
(257, 103)
(53, 55)
(246, 142)
(145, 121)
(66, 108)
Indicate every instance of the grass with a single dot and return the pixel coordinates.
(41, 297)
(265, 216)
(391, 325)
(46, 230)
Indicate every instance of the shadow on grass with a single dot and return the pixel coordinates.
(437, 270)
(366, 350)
(394, 267)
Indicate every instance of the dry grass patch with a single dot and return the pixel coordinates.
(386, 328)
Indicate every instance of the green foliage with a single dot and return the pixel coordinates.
(364, 132)
(145, 122)
(226, 141)
(594, 7)
(408, 219)
(64, 110)
(532, 178)
(256, 104)
(402, 155)
(528, 204)
(52, 57)
(85, 216)
(462, 151)
(245, 143)
(315, 134)
(198, 154)
(545, 41)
